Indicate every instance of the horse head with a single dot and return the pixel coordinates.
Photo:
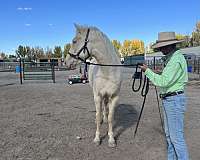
(79, 50)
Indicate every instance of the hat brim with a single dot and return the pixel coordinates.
(162, 44)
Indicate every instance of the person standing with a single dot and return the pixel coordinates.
(172, 82)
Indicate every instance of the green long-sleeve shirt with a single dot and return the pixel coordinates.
(174, 75)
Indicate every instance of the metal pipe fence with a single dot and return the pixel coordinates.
(193, 66)
(8, 66)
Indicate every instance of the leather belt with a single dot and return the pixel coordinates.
(163, 96)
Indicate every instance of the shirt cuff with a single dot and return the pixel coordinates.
(148, 72)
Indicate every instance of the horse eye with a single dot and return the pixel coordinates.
(74, 41)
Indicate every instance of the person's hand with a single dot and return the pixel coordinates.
(143, 67)
(158, 71)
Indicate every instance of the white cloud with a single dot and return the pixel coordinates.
(24, 8)
(50, 24)
(27, 24)
(19, 8)
(27, 9)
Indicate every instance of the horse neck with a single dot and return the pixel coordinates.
(100, 58)
(104, 51)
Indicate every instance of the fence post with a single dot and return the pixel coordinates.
(20, 70)
(23, 67)
(154, 62)
(53, 71)
(199, 67)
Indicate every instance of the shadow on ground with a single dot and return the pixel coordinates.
(125, 117)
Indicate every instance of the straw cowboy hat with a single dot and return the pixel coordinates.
(165, 39)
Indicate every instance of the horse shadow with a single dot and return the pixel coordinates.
(125, 116)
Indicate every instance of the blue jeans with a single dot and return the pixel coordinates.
(174, 109)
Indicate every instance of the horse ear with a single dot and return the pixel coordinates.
(77, 26)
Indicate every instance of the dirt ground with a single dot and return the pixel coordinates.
(46, 121)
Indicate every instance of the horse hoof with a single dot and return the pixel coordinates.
(97, 142)
(112, 144)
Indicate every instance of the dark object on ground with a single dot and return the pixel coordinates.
(77, 79)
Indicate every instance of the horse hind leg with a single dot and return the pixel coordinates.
(98, 104)
(112, 104)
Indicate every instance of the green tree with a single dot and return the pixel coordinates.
(21, 51)
(57, 52)
(39, 53)
(66, 49)
(11, 56)
(2, 55)
(186, 40)
(196, 35)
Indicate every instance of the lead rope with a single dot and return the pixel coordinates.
(144, 91)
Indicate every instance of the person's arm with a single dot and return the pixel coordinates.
(168, 76)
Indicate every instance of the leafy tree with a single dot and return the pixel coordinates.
(2, 55)
(49, 53)
(66, 49)
(132, 47)
(21, 51)
(125, 49)
(57, 52)
(116, 44)
(39, 53)
(196, 35)
(137, 47)
(11, 56)
(28, 53)
(186, 42)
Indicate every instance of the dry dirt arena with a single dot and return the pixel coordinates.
(40, 120)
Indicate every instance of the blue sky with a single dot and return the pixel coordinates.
(50, 22)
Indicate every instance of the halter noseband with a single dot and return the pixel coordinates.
(84, 49)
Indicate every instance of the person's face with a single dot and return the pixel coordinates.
(166, 49)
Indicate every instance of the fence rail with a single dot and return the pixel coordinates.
(8, 66)
(37, 71)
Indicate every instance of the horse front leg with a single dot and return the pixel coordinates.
(98, 104)
(105, 111)
(112, 104)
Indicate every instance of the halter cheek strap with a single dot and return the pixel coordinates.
(84, 49)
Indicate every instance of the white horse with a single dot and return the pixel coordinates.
(91, 43)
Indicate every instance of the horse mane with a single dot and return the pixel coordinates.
(104, 38)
